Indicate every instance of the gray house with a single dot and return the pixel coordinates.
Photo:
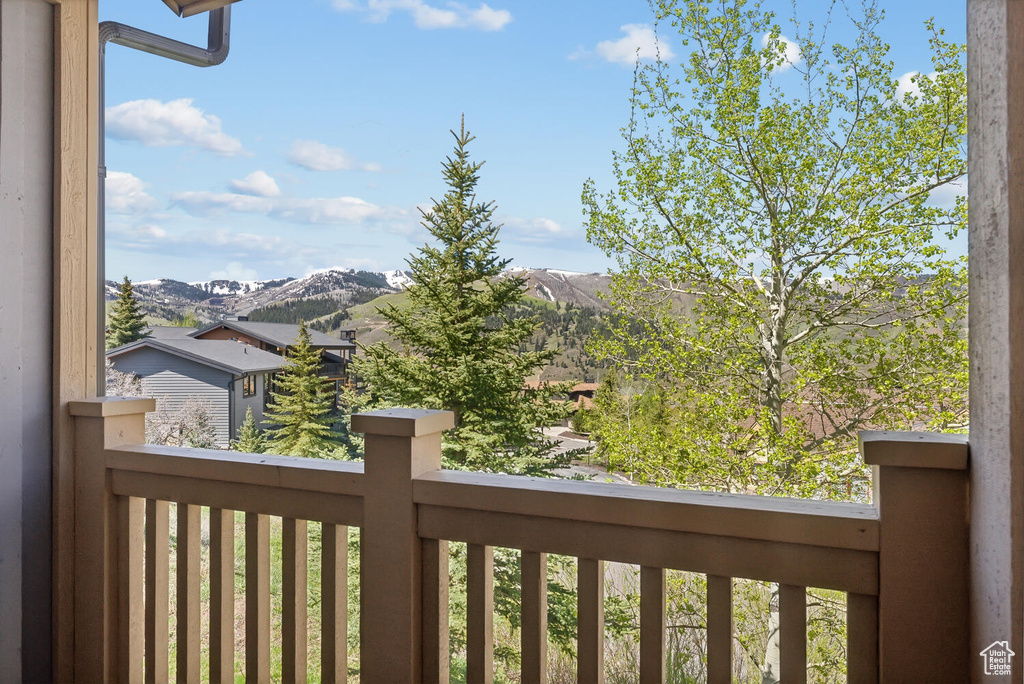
(226, 376)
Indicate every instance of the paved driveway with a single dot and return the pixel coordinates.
(580, 466)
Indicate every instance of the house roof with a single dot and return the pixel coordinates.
(169, 332)
(229, 356)
(278, 334)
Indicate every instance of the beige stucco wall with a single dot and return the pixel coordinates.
(996, 244)
(26, 228)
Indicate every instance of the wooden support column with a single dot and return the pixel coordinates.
(920, 485)
(75, 278)
(100, 424)
(401, 444)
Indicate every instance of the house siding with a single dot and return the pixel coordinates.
(240, 403)
(172, 379)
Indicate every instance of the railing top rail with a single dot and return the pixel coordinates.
(774, 519)
(308, 474)
(941, 451)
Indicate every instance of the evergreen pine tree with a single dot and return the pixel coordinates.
(127, 323)
(251, 439)
(460, 344)
(300, 409)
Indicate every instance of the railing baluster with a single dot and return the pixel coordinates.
(294, 601)
(590, 621)
(861, 639)
(652, 625)
(187, 613)
(257, 598)
(719, 630)
(435, 612)
(334, 604)
(534, 617)
(222, 596)
(480, 614)
(158, 521)
(793, 633)
(132, 637)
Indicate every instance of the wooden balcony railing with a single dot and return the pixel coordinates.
(902, 561)
(332, 370)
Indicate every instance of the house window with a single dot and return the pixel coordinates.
(249, 386)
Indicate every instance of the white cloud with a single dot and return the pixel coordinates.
(145, 232)
(489, 19)
(314, 210)
(164, 124)
(791, 55)
(640, 42)
(315, 156)
(228, 245)
(909, 82)
(126, 194)
(257, 183)
(536, 231)
(235, 271)
(425, 16)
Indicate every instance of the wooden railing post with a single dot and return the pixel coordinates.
(920, 490)
(401, 444)
(102, 423)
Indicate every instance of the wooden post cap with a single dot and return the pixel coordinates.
(403, 422)
(104, 407)
(914, 449)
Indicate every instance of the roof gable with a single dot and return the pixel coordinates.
(278, 334)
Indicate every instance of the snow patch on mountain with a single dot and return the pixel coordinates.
(225, 288)
(545, 292)
(399, 280)
(567, 274)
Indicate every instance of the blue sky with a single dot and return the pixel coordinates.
(313, 144)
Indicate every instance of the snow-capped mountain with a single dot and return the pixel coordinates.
(554, 285)
(213, 299)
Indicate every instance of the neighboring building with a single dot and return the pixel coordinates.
(226, 376)
(582, 394)
(228, 365)
(278, 337)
